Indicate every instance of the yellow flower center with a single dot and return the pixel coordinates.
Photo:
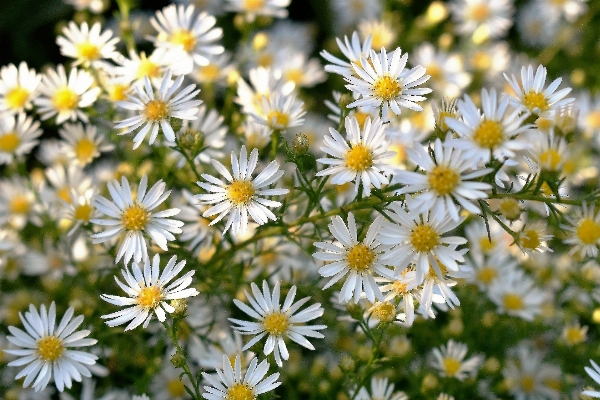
(481, 60)
(360, 257)
(118, 92)
(489, 134)
(156, 110)
(441, 121)
(510, 209)
(434, 71)
(486, 245)
(359, 158)
(253, 5)
(278, 119)
(479, 12)
(574, 335)
(265, 60)
(240, 192)
(88, 51)
(486, 275)
(385, 312)
(443, 180)
(149, 297)
(83, 212)
(185, 39)
(147, 68)
(85, 150)
(9, 142)
(63, 193)
(50, 348)
(588, 231)
(528, 384)
(240, 391)
(361, 118)
(20, 204)
(295, 75)
(65, 99)
(17, 97)
(276, 323)
(176, 388)
(550, 159)
(210, 72)
(530, 239)
(424, 238)
(387, 88)
(593, 120)
(135, 218)
(535, 102)
(513, 302)
(451, 366)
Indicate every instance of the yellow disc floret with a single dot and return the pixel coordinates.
(424, 238)
(50, 348)
(85, 150)
(276, 323)
(149, 297)
(451, 366)
(176, 388)
(443, 180)
(359, 158)
(240, 391)
(20, 204)
(486, 275)
(83, 212)
(65, 99)
(277, 119)
(360, 257)
(530, 239)
(387, 88)
(513, 302)
(535, 102)
(147, 68)
(185, 38)
(528, 383)
(156, 110)
(135, 218)
(588, 231)
(17, 97)
(88, 51)
(253, 5)
(240, 192)
(489, 134)
(9, 142)
(384, 311)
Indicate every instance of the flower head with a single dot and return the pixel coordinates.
(450, 361)
(18, 135)
(18, 87)
(87, 46)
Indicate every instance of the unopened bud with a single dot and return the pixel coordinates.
(345, 99)
(178, 360)
(300, 144)
(347, 364)
(179, 305)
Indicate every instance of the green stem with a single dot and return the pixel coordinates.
(367, 372)
(533, 197)
(172, 331)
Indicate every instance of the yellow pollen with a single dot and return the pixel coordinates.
(295, 75)
(156, 110)
(147, 68)
(359, 158)
(85, 150)
(530, 239)
(253, 5)
(593, 120)
(240, 391)
(20, 204)
(135, 218)
(117, 92)
(479, 12)
(434, 71)
(443, 180)
(441, 122)
(486, 275)
(50, 348)
(486, 245)
(535, 102)
(550, 159)
(481, 60)
(588, 231)
(9, 142)
(149, 297)
(385, 312)
(17, 97)
(399, 287)
(528, 384)
(88, 51)
(387, 88)
(360, 257)
(510, 209)
(63, 193)
(83, 212)
(278, 119)
(513, 302)
(489, 134)
(361, 118)
(276, 323)
(184, 38)
(65, 99)
(176, 388)
(574, 335)
(240, 192)
(451, 366)
(210, 72)
(424, 238)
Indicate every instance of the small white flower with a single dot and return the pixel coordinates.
(360, 261)
(482, 18)
(363, 159)
(280, 111)
(380, 390)
(585, 231)
(130, 218)
(241, 195)
(232, 386)
(515, 294)
(18, 87)
(278, 321)
(353, 51)
(155, 109)
(83, 143)
(87, 46)
(450, 361)
(46, 348)
(148, 291)
(18, 136)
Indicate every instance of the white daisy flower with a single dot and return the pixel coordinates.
(155, 109)
(46, 348)
(148, 291)
(18, 87)
(18, 135)
(537, 25)
(280, 111)
(397, 289)
(252, 8)
(491, 134)
(450, 361)
(232, 386)
(278, 321)
(361, 261)
(127, 219)
(217, 71)
(515, 294)
(380, 390)
(18, 203)
(595, 375)
(82, 142)
(584, 230)
(87, 46)
(353, 50)
(134, 69)
(363, 159)
(65, 97)
(531, 96)
(241, 195)
(79, 208)
(445, 181)
(186, 37)
(384, 82)
(418, 238)
(383, 32)
(263, 83)
(482, 18)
